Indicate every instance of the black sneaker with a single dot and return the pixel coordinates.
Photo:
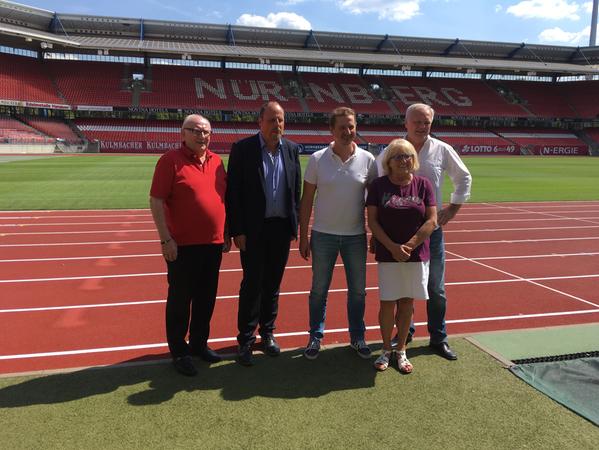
(313, 348)
(185, 366)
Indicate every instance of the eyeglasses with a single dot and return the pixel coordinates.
(198, 132)
(401, 157)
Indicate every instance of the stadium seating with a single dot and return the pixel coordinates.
(91, 83)
(16, 132)
(451, 97)
(215, 89)
(25, 79)
(323, 92)
(545, 141)
(54, 128)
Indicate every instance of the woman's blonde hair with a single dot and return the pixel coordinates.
(400, 146)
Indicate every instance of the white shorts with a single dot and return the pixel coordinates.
(402, 280)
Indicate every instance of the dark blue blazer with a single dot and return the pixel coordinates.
(245, 199)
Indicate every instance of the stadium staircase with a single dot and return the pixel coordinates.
(593, 145)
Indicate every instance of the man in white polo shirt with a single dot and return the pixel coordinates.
(340, 173)
(436, 159)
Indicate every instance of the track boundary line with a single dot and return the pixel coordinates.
(530, 280)
(283, 294)
(281, 335)
(154, 255)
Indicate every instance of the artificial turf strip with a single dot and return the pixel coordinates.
(108, 182)
(337, 401)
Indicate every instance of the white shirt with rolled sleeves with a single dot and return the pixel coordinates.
(436, 157)
(341, 187)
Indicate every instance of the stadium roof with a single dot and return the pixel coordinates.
(37, 29)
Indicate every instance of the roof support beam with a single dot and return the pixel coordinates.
(311, 37)
(230, 35)
(380, 44)
(449, 49)
(515, 51)
(141, 29)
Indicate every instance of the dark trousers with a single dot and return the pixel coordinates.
(263, 263)
(192, 281)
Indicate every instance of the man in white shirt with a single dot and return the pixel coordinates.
(435, 158)
(340, 174)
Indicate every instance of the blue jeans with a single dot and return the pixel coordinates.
(325, 249)
(437, 301)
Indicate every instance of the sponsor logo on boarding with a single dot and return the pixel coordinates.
(122, 145)
(488, 149)
(562, 150)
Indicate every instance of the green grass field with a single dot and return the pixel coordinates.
(337, 401)
(103, 181)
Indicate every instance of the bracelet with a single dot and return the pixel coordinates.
(166, 241)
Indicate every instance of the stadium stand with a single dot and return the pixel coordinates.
(214, 89)
(55, 128)
(91, 83)
(545, 142)
(14, 131)
(25, 79)
(129, 73)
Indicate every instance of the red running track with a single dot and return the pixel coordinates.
(84, 288)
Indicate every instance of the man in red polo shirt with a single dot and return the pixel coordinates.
(187, 200)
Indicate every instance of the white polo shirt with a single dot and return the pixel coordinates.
(340, 190)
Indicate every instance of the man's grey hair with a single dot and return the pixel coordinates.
(418, 107)
(191, 117)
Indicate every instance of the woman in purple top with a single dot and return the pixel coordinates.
(401, 215)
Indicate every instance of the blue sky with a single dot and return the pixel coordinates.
(557, 22)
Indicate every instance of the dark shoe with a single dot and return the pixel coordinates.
(185, 366)
(271, 348)
(395, 339)
(443, 350)
(208, 355)
(313, 348)
(244, 355)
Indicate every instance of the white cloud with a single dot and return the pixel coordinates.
(275, 20)
(397, 10)
(498, 8)
(545, 9)
(559, 36)
(588, 7)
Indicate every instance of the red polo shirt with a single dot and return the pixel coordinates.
(193, 194)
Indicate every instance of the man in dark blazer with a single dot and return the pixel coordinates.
(262, 201)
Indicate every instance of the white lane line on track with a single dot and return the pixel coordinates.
(528, 280)
(154, 274)
(80, 216)
(518, 213)
(554, 216)
(41, 244)
(64, 224)
(136, 222)
(283, 294)
(281, 335)
(528, 219)
(42, 233)
(144, 241)
(482, 230)
(159, 255)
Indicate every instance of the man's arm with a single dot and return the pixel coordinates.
(167, 243)
(462, 182)
(233, 197)
(304, 218)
